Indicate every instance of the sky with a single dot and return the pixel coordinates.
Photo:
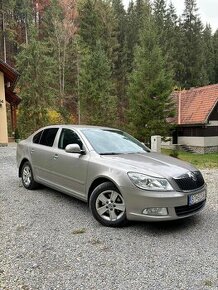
(208, 10)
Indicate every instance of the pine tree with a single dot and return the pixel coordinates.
(169, 34)
(174, 43)
(120, 67)
(136, 15)
(149, 88)
(36, 84)
(215, 44)
(98, 104)
(90, 23)
(160, 17)
(97, 23)
(209, 54)
(192, 59)
(98, 57)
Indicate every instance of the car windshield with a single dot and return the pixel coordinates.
(109, 142)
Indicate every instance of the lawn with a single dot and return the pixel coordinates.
(209, 160)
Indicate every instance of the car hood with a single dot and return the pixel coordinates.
(150, 163)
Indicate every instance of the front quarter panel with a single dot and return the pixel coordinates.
(99, 169)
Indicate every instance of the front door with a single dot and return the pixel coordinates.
(69, 170)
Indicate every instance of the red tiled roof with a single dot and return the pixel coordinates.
(195, 105)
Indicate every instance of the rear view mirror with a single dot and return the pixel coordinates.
(74, 148)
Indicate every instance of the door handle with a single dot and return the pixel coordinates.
(32, 150)
(55, 156)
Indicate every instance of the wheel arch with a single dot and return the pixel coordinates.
(21, 165)
(99, 181)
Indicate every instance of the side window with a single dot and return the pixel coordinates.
(69, 137)
(48, 136)
(36, 138)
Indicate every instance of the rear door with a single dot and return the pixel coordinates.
(41, 152)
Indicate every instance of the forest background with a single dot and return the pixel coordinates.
(93, 62)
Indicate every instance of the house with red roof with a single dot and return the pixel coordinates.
(197, 119)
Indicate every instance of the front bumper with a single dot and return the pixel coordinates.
(176, 202)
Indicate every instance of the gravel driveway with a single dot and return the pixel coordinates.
(51, 241)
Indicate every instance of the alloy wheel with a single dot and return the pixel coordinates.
(110, 205)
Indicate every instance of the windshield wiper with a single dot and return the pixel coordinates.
(139, 152)
(110, 153)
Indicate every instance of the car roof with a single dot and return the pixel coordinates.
(78, 127)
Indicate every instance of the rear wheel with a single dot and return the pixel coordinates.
(108, 205)
(27, 176)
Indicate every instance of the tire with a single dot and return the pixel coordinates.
(27, 176)
(108, 206)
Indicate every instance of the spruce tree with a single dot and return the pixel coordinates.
(137, 13)
(120, 66)
(215, 44)
(209, 54)
(98, 104)
(97, 22)
(193, 72)
(160, 17)
(90, 23)
(169, 34)
(98, 56)
(174, 49)
(36, 84)
(149, 88)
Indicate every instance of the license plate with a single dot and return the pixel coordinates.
(196, 198)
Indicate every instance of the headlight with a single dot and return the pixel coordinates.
(149, 183)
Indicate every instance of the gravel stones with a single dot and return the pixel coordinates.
(50, 241)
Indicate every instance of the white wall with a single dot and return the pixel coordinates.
(198, 141)
(213, 123)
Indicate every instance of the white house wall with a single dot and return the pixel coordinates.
(198, 141)
(213, 123)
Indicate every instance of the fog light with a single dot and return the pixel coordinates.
(156, 211)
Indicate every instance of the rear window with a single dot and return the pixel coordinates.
(36, 138)
(45, 137)
(48, 137)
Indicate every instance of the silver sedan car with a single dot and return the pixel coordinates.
(119, 177)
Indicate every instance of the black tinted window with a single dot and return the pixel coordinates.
(48, 137)
(37, 137)
(68, 137)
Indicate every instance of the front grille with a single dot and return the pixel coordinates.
(190, 180)
(186, 209)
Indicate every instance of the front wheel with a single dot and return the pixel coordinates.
(108, 205)
(27, 176)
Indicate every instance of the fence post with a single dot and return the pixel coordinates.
(156, 143)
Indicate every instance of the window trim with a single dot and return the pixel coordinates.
(75, 132)
(42, 132)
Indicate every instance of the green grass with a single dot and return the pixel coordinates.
(79, 231)
(209, 160)
(208, 283)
